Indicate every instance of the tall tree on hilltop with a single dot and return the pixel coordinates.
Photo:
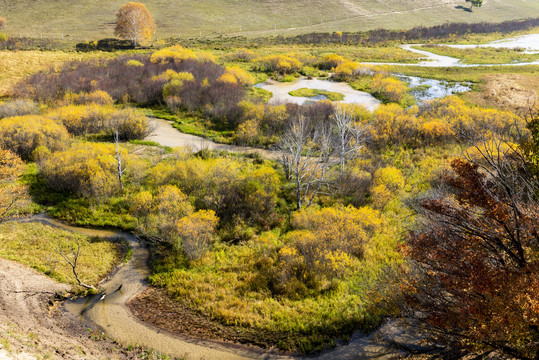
(476, 3)
(135, 22)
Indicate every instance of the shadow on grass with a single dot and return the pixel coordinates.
(459, 7)
(77, 210)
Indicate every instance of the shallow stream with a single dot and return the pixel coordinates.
(280, 91)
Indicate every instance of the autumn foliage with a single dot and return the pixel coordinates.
(168, 217)
(135, 22)
(325, 245)
(11, 167)
(96, 119)
(280, 64)
(84, 169)
(475, 256)
(24, 134)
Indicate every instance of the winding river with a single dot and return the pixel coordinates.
(281, 91)
(111, 314)
(436, 89)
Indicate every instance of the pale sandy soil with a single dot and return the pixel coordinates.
(32, 327)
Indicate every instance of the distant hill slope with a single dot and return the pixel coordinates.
(93, 19)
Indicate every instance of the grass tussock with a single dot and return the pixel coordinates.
(330, 95)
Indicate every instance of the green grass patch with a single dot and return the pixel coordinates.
(107, 213)
(33, 244)
(285, 78)
(463, 74)
(230, 285)
(330, 95)
(145, 143)
(483, 55)
(263, 95)
(110, 213)
(194, 124)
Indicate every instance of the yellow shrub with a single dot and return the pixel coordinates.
(96, 97)
(170, 75)
(391, 177)
(205, 56)
(350, 70)
(462, 118)
(247, 132)
(393, 124)
(325, 245)
(94, 119)
(130, 124)
(252, 111)
(196, 232)
(87, 169)
(437, 130)
(392, 89)
(82, 119)
(242, 76)
(345, 228)
(158, 214)
(23, 134)
(141, 204)
(176, 53)
(380, 196)
(135, 63)
(228, 78)
(175, 83)
(331, 61)
(278, 63)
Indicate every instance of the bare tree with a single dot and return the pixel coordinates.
(307, 156)
(120, 167)
(350, 135)
(71, 254)
(311, 150)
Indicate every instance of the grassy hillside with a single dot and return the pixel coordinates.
(188, 18)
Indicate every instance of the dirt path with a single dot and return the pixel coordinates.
(165, 134)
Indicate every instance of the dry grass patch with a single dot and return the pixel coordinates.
(18, 64)
(507, 91)
(95, 19)
(33, 244)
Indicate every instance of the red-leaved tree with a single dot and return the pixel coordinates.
(474, 255)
